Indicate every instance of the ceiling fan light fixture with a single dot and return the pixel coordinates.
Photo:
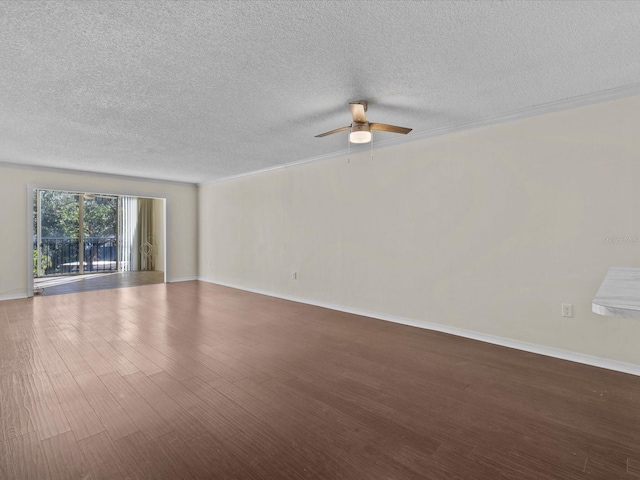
(360, 133)
(360, 137)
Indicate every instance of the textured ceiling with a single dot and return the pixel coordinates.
(197, 91)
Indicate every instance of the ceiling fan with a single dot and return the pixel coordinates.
(361, 128)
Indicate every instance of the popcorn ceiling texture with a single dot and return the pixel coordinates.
(197, 91)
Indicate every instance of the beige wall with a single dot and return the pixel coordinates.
(487, 230)
(158, 222)
(14, 182)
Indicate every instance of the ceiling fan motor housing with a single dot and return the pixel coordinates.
(360, 127)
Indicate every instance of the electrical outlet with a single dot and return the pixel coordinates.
(567, 310)
(294, 275)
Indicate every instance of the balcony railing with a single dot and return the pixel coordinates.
(60, 255)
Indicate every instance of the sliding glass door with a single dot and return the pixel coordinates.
(100, 233)
(57, 227)
(75, 233)
(78, 233)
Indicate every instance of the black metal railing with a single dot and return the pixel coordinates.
(60, 255)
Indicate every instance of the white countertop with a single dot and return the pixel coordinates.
(619, 293)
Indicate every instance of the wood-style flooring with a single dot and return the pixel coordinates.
(193, 380)
(95, 281)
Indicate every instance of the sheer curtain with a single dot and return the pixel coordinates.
(137, 234)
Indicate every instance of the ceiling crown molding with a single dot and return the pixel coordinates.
(546, 108)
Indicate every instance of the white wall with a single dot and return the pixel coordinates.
(14, 182)
(487, 230)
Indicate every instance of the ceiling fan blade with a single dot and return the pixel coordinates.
(341, 129)
(389, 128)
(357, 111)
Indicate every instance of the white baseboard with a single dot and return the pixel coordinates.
(13, 296)
(577, 357)
(182, 279)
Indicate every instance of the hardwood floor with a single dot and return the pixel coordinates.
(96, 281)
(192, 380)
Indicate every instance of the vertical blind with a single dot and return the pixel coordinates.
(138, 248)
